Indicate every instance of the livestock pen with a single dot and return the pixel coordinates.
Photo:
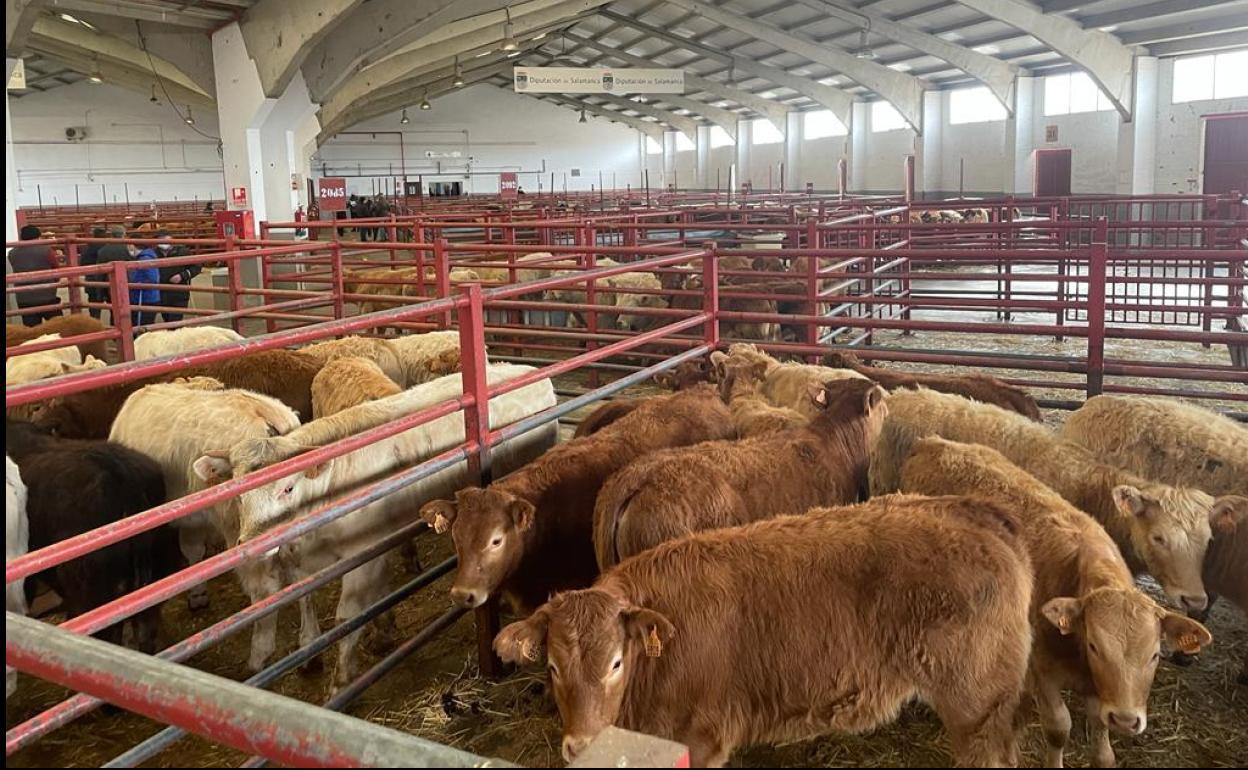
(1066, 305)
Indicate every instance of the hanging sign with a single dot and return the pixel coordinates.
(598, 80)
(508, 185)
(331, 191)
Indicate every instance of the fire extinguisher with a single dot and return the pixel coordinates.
(299, 232)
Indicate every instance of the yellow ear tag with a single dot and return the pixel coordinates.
(1063, 625)
(440, 524)
(1189, 644)
(654, 646)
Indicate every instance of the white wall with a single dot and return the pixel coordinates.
(501, 131)
(1093, 140)
(1180, 134)
(131, 142)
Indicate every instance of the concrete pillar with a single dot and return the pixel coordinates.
(859, 134)
(1137, 140)
(794, 177)
(1020, 138)
(10, 167)
(669, 158)
(928, 174)
(745, 136)
(703, 150)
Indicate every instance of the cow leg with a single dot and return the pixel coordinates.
(192, 540)
(260, 579)
(1054, 719)
(145, 627)
(360, 588)
(1098, 736)
(981, 730)
(707, 747)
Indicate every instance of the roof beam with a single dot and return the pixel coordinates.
(1201, 44)
(186, 16)
(1213, 26)
(652, 130)
(448, 42)
(834, 99)
(989, 70)
(1110, 63)
(279, 35)
(682, 123)
(19, 18)
(903, 91)
(1150, 11)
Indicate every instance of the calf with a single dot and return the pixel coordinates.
(16, 543)
(77, 486)
(685, 375)
(786, 384)
(798, 626)
(1096, 632)
(1226, 564)
(379, 351)
(1160, 529)
(344, 382)
(426, 357)
(740, 384)
(712, 485)
(977, 387)
(531, 533)
(72, 325)
(167, 342)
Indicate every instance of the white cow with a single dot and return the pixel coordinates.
(28, 367)
(266, 506)
(16, 543)
(166, 342)
(426, 357)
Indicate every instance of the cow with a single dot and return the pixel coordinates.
(346, 382)
(77, 486)
(1160, 529)
(425, 357)
(716, 484)
(72, 325)
(785, 384)
(16, 543)
(1095, 632)
(683, 376)
(1226, 563)
(977, 387)
(187, 339)
(531, 533)
(1165, 440)
(798, 626)
(266, 506)
(379, 351)
(740, 384)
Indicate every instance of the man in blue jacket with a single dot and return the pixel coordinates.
(141, 297)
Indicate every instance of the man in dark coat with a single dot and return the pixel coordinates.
(180, 275)
(91, 256)
(28, 259)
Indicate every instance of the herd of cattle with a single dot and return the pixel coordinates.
(901, 535)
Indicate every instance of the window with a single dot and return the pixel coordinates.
(720, 138)
(974, 105)
(821, 123)
(653, 147)
(1073, 92)
(683, 143)
(763, 132)
(885, 117)
(1216, 76)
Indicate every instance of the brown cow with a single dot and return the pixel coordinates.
(67, 326)
(741, 385)
(1226, 561)
(668, 494)
(685, 375)
(1096, 632)
(798, 626)
(977, 387)
(531, 533)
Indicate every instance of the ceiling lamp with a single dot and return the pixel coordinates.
(583, 118)
(864, 46)
(189, 119)
(509, 41)
(424, 102)
(95, 77)
(404, 119)
(153, 99)
(458, 81)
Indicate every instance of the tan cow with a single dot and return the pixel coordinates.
(799, 626)
(1160, 529)
(785, 384)
(379, 351)
(1096, 632)
(347, 381)
(740, 384)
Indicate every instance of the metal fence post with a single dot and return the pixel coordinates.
(234, 272)
(471, 317)
(266, 282)
(442, 276)
(710, 293)
(1097, 268)
(75, 282)
(119, 292)
(338, 278)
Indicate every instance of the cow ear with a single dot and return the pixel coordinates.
(521, 513)
(1227, 513)
(873, 399)
(1185, 634)
(648, 627)
(1063, 612)
(522, 641)
(818, 394)
(718, 359)
(213, 467)
(1130, 500)
(439, 514)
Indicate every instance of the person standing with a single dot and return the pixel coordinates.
(181, 275)
(27, 259)
(139, 297)
(91, 256)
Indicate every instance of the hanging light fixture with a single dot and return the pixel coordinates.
(189, 119)
(404, 119)
(864, 45)
(154, 100)
(583, 118)
(509, 42)
(424, 102)
(458, 81)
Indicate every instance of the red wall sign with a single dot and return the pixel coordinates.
(508, 185)
(331, 191)
(238, 196)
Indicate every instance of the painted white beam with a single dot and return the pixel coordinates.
(682, 123)
(652, 130)
(989, 70)
(903, 91)
(1100, 54)
(439, 47)
(1201, 44)
(19, 18)
(280, 34)
(495, 21)
(838, 101)
(186, 16)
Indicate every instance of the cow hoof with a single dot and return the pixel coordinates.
(1182, 659)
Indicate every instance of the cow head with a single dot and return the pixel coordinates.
(264, 506)
(685, 375)
(1170, 530)
(634, 322)
(740, 375)
(857, 401)
(1119, 632)
(594, 640)
(488, 527)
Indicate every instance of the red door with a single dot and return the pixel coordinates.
(1226, 153)
(1051, 172)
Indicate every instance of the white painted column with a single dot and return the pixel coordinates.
(794, 177)
(928, 170)
(859, 133)
(1137, 140)
(669, 158)
(745, 137)
(10, 167)
(1020, 138)
(703, 149)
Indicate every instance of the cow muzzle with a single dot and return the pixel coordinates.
(573, 745)
(469, 598)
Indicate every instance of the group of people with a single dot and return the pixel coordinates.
(36, 256)
(366, 207)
